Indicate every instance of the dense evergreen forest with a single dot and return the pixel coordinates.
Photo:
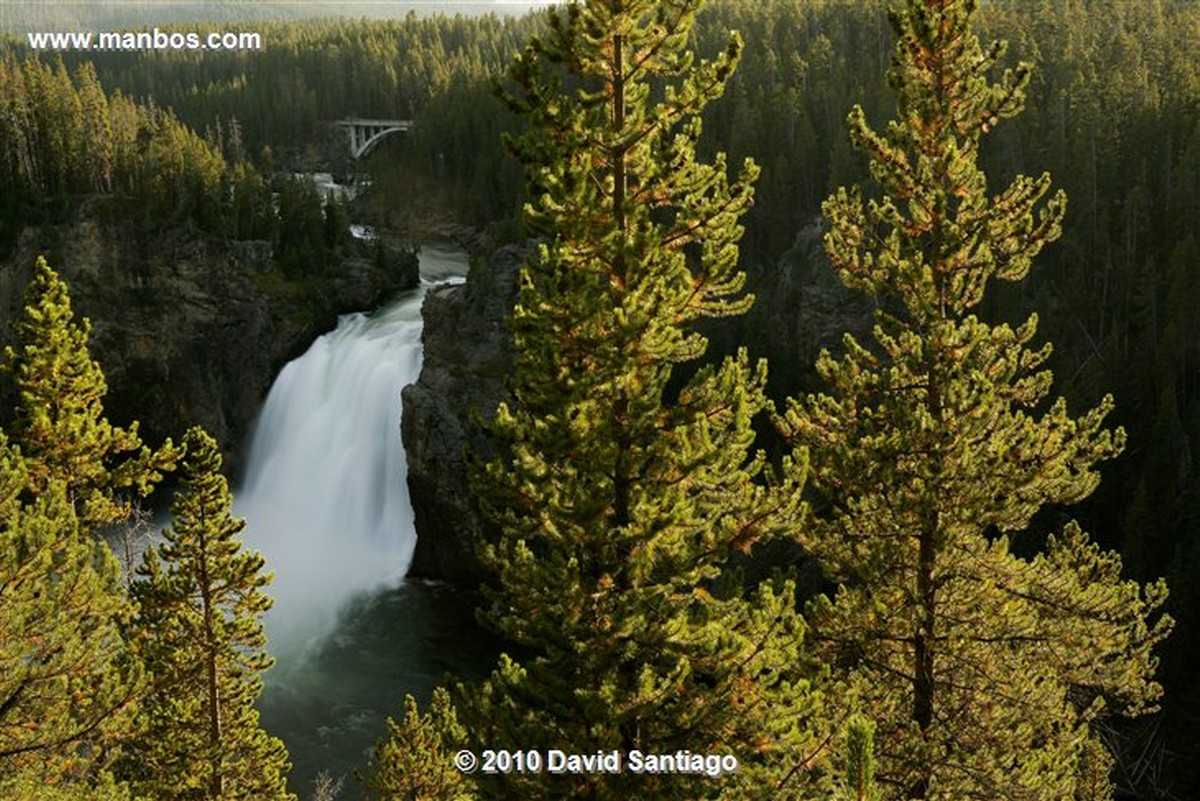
(1111, 110)
(67, 141)
(122, 14)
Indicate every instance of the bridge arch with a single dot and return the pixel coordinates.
(364, 134)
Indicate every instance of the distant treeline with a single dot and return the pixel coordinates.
(19, 17)
(64, 142)
(63, 137)
(1114, 98)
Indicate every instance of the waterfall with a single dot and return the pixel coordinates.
(325, 495)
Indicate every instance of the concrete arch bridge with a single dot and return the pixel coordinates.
(364, 134)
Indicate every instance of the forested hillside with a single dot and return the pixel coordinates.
(15, 17)
(142, 211)
(199, 145)
(67, 139)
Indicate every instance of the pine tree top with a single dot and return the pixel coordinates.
(60, 420)
(936, 238)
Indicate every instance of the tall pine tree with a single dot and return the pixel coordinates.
(631, 481)
(60, 423)
(68, 684)
(982, 668)
(200, 598)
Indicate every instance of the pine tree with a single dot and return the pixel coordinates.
(252, 216)
(416, 760)
(632, 481)
(67, 682)
(60, 423)
(301, 246)
(200, 598)
(97, 130)
(860, 760)
(982, 668)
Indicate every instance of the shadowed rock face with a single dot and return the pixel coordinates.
(190, 330)
(467, 354)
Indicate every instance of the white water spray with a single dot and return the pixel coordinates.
(325, 496)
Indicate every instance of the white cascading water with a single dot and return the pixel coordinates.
(325, 495)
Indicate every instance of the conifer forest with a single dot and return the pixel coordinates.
(601, 399)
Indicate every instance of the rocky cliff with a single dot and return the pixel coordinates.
(189, 329)
(801, 306)
(467, 353)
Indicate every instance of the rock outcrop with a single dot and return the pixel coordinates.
(188, 329)
(467, 354)
(801, 307)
